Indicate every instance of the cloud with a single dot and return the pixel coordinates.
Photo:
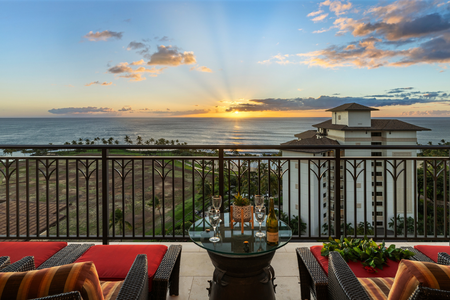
(202, 69)
(133, 74)
(137, 63)
(103, 36)
(170, 56)
(99, 83)
(164, 39)
(427, 113)
(337, 7)
(126, 108)
(399, 34)
(325, 102)
(80, 110)
(134, 77)
(319, 18)
(315, 13)
(142, 48)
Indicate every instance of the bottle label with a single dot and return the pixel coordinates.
(272, 237)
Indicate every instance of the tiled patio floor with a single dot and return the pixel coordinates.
(197, 269)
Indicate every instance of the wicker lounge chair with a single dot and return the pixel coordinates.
(135, 285)
(314, 281)
(343, 284)
(4, 261)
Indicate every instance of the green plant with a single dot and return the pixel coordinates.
(372, 255)
(241, 201)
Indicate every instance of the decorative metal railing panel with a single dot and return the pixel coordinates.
(144, 196)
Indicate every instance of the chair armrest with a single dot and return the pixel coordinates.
(4, 261)
(419, 256)
(312, 277)
(342, 282)
(66, 255)
(424, 293)
(25, 264)
(64, 296)
(168, 272)
(135, 285)
(443, 258)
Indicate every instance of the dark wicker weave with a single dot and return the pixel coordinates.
(418, 255)
(313, 279)
(66, 255)
(4, 261)
(443, 258)
(342, 283)
(25, 264)
(168, 274)
(64, 296)
(424, 293)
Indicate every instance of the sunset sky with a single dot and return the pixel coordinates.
(223, 58)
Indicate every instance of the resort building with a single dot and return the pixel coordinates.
(363, 184)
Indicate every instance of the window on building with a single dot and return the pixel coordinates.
(324, 184)
(324, 195)
(379, 203)
(379, 213)
(377, 193)
(377, 174)
(378, 183)
(325, 215)
(377, 154)
(376, 143)
(339, 117)
(378, 164)
(376, 134)
(324, 204)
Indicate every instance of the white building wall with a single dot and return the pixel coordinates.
(359, 119)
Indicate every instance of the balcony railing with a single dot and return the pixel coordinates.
(154, 192)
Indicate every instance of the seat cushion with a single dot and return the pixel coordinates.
(377, 288)
(40, 250)
(432, 251)
(411, 274)
(114, 261)
(111, 289)
(81, 277)
(357, 267)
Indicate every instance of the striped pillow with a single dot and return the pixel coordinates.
(377, 288)
(411, 274)
(111, 289)
(81, 277)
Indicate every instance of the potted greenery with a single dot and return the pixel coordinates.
(241, 206)
(372, 255)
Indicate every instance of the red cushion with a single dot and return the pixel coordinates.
(40, 250)
(357, 267)
(114, 261)
(432, 251)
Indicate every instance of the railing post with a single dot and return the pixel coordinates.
(105, 192)
(221, 175)
(337, 192)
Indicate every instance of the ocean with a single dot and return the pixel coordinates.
(194, 131)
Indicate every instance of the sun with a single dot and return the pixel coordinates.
(236, 112)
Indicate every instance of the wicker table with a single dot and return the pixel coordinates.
(240, 272)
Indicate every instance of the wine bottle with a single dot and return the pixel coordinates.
(272, 225)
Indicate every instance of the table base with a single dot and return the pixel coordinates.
(242, 277)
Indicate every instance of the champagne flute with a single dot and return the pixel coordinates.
(216, 201)
(259, 201)
(259, 216)
(214, 220)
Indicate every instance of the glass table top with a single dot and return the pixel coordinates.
(232, 240)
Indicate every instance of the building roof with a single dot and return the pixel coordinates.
(377, 125)
(306, 134)
(312, 141)
(352, 107)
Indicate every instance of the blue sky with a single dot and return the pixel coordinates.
(223, 58)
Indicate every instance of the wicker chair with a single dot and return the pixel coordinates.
(135, 285)
(343, 284)
(4, 261)
(314, 281)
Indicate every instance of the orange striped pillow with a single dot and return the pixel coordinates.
(411, 274)
(80, 277)
(377, 287)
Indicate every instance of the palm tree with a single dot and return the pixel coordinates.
(139, 140)
(104, 141)
(152, 140)
(116, 142)
(118, 219)
(97, 139)
(110, 141)
(157, 204)
(88, 141)
(128, 140)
